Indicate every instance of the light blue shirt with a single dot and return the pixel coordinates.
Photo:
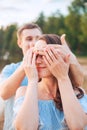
(50, 118)
(8, 70)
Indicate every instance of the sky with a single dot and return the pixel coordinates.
(24, 11)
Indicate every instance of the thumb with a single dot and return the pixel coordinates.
(62, 38)
(67, 59)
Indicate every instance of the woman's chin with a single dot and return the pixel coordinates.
(44, 75)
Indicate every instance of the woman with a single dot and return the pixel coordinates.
(50, 101)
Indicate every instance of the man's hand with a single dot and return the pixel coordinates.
(66, 50)
(76, 71)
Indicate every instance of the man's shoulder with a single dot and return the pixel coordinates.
(11, 67)
(13, 64)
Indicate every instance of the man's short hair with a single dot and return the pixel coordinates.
(27, 26)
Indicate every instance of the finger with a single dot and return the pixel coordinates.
(47, 57)
(52, 53)
(34, 59)
(53, 45)
(46, 61)
(55, 53)
(30, 56)
(62, 38)
(67, 58)
(25, 58)
(40, 52)
(57, 57)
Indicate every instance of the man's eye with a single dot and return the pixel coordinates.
(29, 39)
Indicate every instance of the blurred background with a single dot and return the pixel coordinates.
(53, 16)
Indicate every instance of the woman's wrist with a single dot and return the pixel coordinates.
(32, 83)
(63, 78)
(64, 83)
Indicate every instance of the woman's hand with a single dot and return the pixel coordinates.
(29, 66)
(57, 65)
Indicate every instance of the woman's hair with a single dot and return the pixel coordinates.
(55, 39)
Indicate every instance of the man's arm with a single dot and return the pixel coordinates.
(76, 70)
(9, 86)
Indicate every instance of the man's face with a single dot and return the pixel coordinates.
(28, 38)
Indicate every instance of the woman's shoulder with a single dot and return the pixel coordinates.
(83, 102)
(84, 98)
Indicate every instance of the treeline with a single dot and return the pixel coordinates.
(74, 25)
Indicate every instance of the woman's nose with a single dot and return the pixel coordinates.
(38, 59)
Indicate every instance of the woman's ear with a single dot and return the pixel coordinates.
(19, 43)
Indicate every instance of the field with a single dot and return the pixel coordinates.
(83, 62)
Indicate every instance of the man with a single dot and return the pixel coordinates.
(13, 75)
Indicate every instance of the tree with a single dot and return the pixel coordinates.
(73, 23)
(55, 23)
(41, 21)
(83, 36)
(15, 51)
(1, 41)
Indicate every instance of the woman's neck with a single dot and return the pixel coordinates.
(48, 86)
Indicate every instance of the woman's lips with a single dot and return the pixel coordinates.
(40, 68)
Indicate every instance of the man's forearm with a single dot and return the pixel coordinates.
(76, 72)
(10, 85)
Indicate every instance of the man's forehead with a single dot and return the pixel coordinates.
(31, 32)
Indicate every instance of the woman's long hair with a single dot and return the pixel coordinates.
(55, 39)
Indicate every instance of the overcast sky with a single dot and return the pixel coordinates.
(23, 11)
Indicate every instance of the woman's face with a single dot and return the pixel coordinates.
(42, 69)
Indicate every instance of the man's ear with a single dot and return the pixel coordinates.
(19, 43)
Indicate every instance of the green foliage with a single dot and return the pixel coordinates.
(41, 21)
(78, 7)
(15, 52)
(1, 41)
(74, 25)
(8, 35)
(8, 44)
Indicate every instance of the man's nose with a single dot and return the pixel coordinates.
(31, 44)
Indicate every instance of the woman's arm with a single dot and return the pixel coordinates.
(73, 111)
(75, 116)
(27, 117)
